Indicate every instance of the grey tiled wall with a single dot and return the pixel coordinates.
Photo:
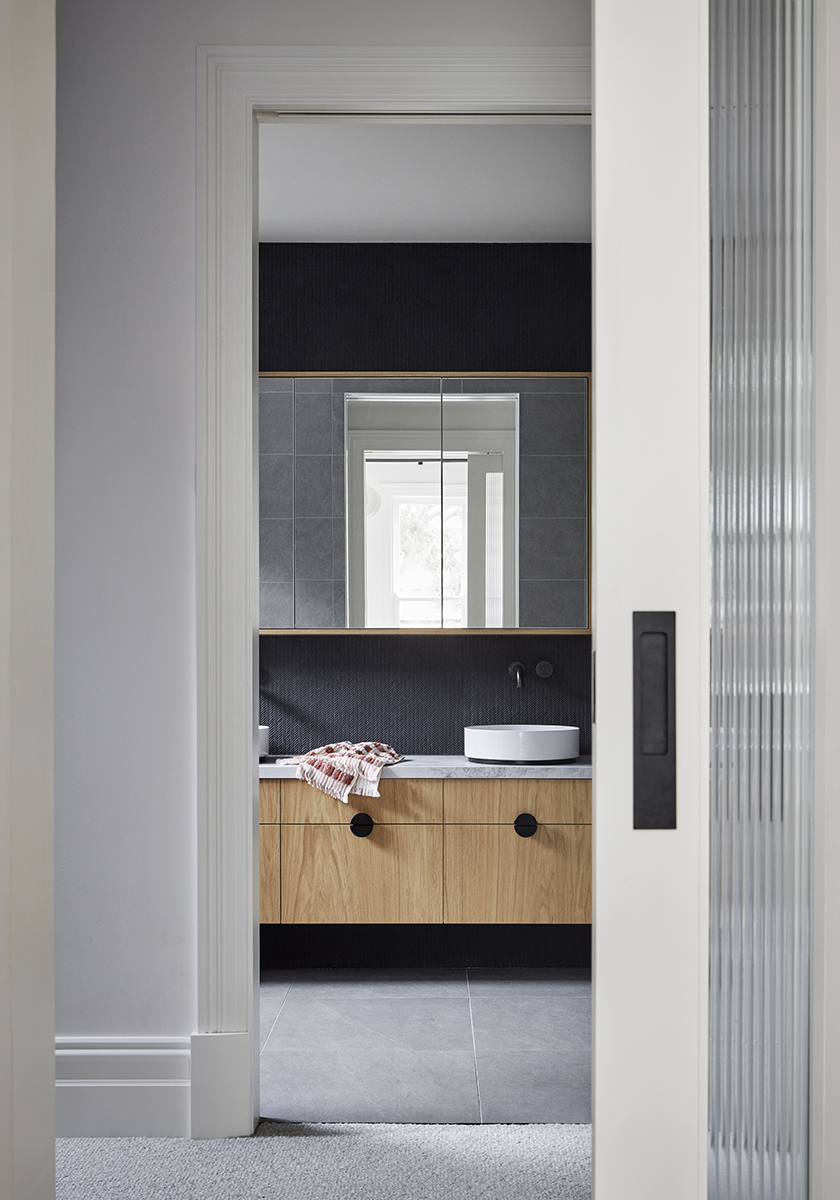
(302, 538)
(553, 497)
(277, 479)
(301, 506)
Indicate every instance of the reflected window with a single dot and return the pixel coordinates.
(431, 504)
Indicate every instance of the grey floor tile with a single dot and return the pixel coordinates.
(370, 1085)
(274, 980)
(384, 985)
(535, 1086)
(537, 981)
(269, 1008)
(542, 1023)
(274, 988)
(312, 1023)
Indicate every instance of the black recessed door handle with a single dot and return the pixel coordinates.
(361, 825)
(525, 825)
(654, 720)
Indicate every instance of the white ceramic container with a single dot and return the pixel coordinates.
(521, 743)
(263, 739)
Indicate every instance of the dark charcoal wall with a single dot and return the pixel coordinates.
(450, 307)
(414, 691)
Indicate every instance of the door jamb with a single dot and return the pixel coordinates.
(234, 84)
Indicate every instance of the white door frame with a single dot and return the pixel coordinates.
(651, 959)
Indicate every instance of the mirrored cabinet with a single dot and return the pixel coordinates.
(420, 503)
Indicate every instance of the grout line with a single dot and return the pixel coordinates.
(280, 1009)
(475, 1056)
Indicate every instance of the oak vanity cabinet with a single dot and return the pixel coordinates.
(502, 868)
(337, 868)
(456, 851)
(269, 851)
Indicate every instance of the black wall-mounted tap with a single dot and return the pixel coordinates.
(517, 671)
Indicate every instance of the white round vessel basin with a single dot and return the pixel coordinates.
(521, 743)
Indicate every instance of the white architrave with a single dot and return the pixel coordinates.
(233, 84)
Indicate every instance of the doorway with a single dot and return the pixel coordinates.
(453, 214)
(650, 1030)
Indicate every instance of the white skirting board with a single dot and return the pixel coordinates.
(122, 1087)
(142, 1086)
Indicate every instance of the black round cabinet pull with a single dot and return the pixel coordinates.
(361, 825)
(525, 825)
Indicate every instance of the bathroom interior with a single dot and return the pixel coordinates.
(424, 526)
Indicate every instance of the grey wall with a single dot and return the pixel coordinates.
(302, 528)
(125, 782)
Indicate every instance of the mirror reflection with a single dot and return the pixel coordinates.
(423, 504)
(431, 511)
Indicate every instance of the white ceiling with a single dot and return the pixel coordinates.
(377, 182)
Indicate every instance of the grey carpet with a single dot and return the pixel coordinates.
(335, 1162)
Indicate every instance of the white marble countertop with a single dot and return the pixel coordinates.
(453, 766)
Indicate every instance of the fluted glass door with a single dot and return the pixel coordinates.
(762, 598)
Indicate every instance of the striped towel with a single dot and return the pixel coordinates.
(346, 767)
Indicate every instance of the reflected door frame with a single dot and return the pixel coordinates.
(357, 445)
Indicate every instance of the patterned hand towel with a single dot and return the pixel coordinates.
(346, 767)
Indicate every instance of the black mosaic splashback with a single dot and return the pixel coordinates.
(421, 306)
(416, 692)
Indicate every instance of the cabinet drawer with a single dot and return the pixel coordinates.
(500, 801)
(269, 801)
(400, 802)
(493, 876)
(332, 877)
(269, 874)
